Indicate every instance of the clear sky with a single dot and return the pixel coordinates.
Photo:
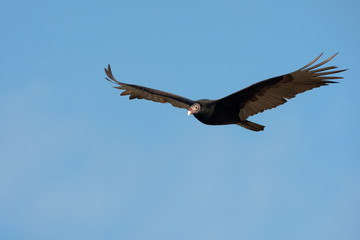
(77, 161)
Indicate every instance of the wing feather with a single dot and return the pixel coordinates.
(276, 91)
(140, 92)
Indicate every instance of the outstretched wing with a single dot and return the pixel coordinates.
(141, 92)
(273, 92)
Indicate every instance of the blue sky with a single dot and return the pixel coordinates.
(79, 162)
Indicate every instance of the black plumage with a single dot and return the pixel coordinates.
(237, 107)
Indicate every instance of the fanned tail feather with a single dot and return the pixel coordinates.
(251, 126)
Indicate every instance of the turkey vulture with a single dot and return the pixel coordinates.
(237, 107)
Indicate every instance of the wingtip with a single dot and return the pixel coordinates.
(106, 69)
(309, 66)
(312, 62)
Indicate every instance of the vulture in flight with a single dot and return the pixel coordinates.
(237, 107)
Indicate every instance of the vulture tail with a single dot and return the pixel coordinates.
(251, 126)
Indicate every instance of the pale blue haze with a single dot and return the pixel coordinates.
(77, 161)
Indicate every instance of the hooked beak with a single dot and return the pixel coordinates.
(189, 112)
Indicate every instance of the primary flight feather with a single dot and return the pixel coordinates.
(237, 107)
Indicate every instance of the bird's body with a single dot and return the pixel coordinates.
(237, 107)
(213, 113)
